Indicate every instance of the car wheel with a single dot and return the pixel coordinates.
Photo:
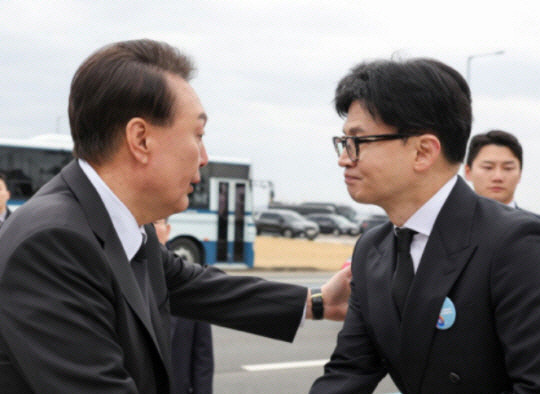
(312, 237)
(187, 249)
(288, 233)
(336, 232)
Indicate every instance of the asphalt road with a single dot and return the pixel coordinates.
(248, 364)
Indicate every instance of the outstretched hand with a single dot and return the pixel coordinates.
(336, 292)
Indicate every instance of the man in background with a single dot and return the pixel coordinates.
(4, 198)
(192, 353)
(494, 165)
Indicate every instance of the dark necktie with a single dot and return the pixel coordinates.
(404, 271)
(139, 264)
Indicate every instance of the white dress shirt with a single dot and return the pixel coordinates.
(130, 234)
(422, 221)
(512, 204)
(3, 216)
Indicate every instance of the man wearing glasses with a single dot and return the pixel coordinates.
(445, 296)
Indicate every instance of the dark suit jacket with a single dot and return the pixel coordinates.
(72, 317)
(482, 255)
(192, 357)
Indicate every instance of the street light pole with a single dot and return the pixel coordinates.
(470, 58)
(265, 184)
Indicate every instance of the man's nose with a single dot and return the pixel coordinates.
(344, 160)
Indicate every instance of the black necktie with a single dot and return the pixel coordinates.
(139, 264)
(404, 271)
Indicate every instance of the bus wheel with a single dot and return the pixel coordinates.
(288, 233)
(187, 249)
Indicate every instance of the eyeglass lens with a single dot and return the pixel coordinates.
(348, 144)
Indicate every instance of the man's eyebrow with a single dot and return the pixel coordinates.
(505, 162)
(353, 130)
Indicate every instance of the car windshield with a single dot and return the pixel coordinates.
(293, 217)
(341, 220)
(348, 212)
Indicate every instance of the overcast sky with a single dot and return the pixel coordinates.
(267, 70)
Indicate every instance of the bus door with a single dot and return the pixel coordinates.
(232, 202)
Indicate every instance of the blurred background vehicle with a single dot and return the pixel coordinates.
(341, 209)
(301, 209)
(372, 221)
(331, 223)
(286, 222)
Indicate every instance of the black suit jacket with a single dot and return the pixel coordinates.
(72, 317)
(192, 356)
(483, 256)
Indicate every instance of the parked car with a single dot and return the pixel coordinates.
(341, 209)
(331, 223)
(303, 210)
(372, 221)
(288, 223)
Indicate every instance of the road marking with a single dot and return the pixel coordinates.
(284, 365)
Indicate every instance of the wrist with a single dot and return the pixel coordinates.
(317, 306)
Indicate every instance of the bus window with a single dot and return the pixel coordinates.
(27, 168)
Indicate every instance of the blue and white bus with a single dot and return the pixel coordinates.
(217, 228)
(30, 163)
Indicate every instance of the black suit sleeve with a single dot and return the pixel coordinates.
(58, 318)
(202, 358)
(355, 366)
(515, 286)
(243, 303)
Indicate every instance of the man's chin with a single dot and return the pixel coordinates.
(182, 205)
(358, 197)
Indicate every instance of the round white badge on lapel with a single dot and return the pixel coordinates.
(447, 316)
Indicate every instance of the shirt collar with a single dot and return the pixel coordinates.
(130, 234)
(422, 220)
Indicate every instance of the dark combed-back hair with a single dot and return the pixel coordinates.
(117, 83)
(416, 95)
(494, 137)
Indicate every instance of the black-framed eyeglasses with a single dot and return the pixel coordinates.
(352, 144)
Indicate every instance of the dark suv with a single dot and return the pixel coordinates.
(287, 223)
(331, 223)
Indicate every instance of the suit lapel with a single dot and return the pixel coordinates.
(385, 319)
(447, 252)
(102, 226)
(158, 295)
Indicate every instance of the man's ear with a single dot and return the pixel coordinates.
(428, 150)
(468, 173)
(137, 130)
